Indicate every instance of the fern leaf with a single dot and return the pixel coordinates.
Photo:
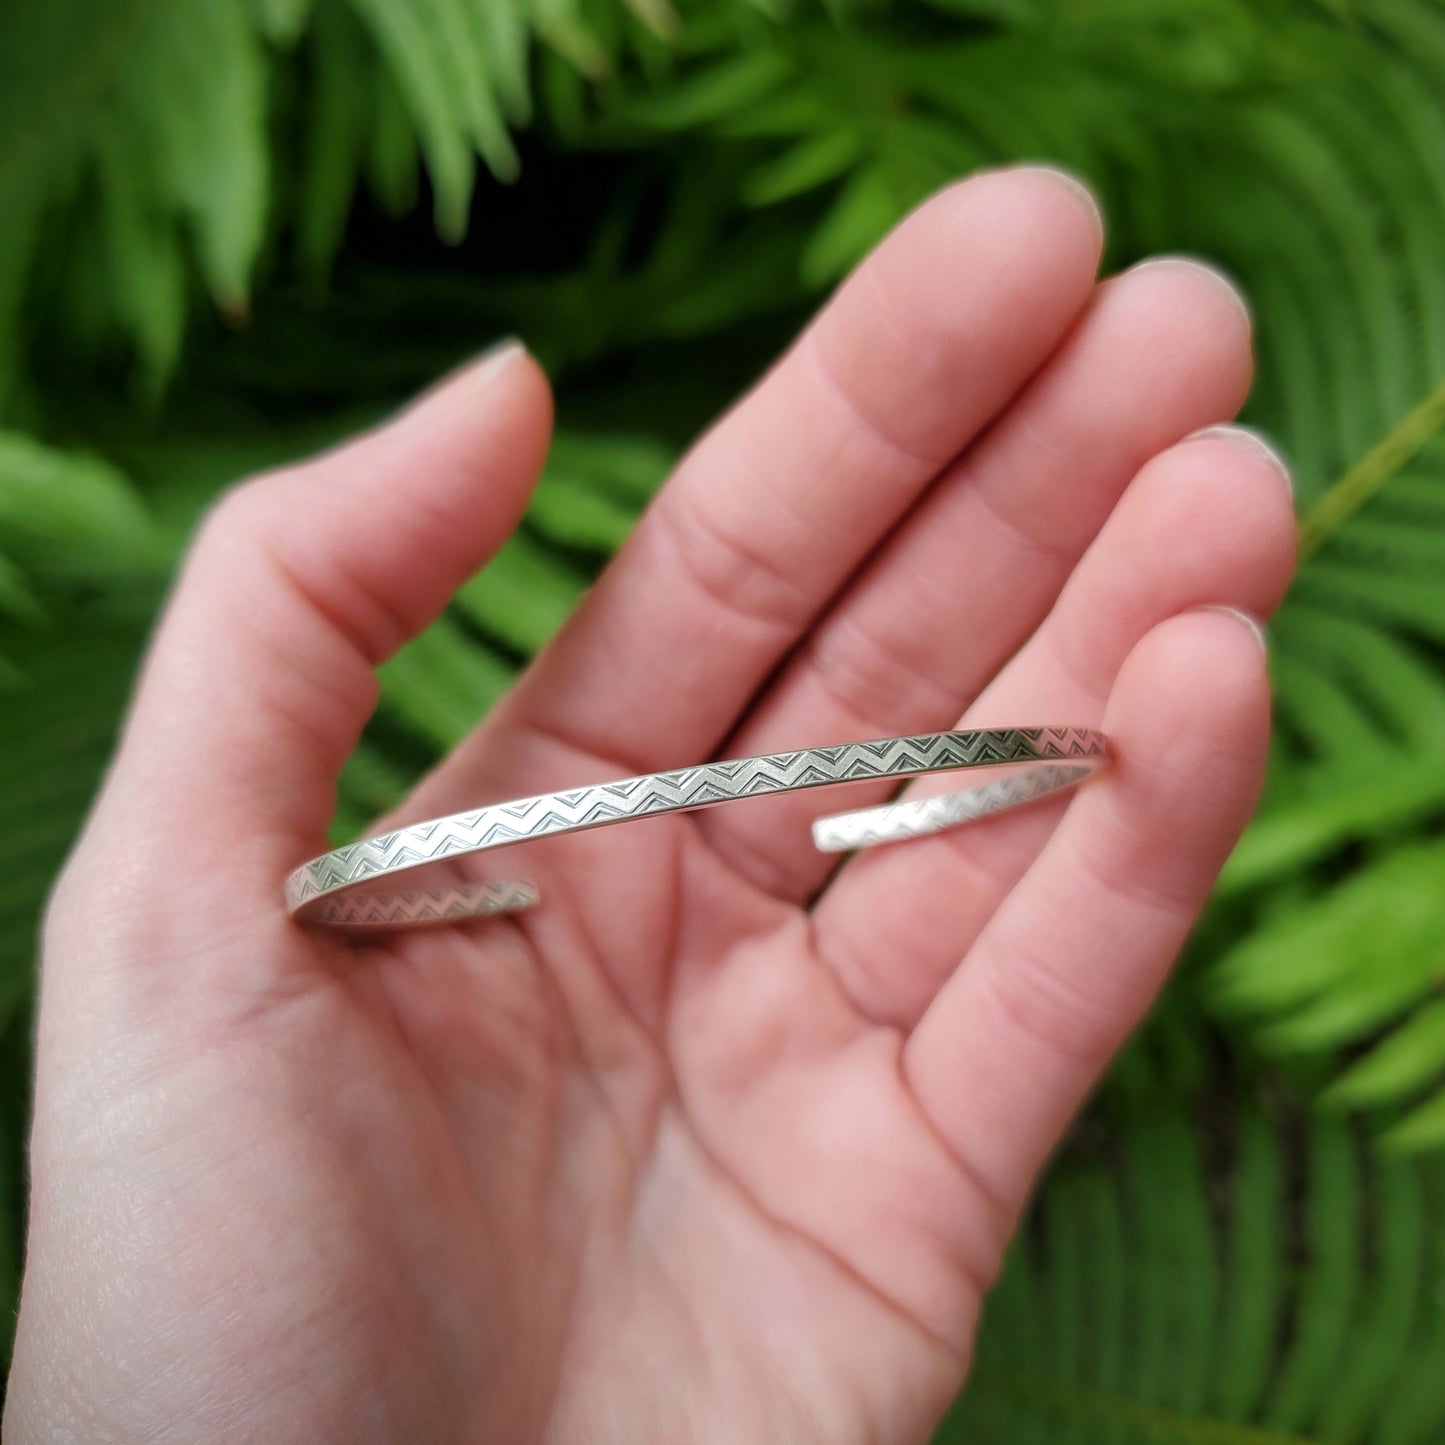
(522, 596)
(1387, 1313)
(1399, 1065)
(1361, 698)
(371, 783)
(414, 41)
(1328, 1284)
(1422, 1128)
(86, 91)
(394, 154)
(1287, 1316)
(563, 26)
(341, 101)
(66, 518)
(205, 128)
(144, 267)
(442, 684)
(17, 597)
(164, 111)
(1348, 966)
(1249, 1316)
(504, 41)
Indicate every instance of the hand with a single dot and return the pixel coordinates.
(710, 1146)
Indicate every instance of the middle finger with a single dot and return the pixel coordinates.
(777, 506)
(1164, 350)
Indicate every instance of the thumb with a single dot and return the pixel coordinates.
(261, 674)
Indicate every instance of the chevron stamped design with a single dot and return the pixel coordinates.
(317, 892)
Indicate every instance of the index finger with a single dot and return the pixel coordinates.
(776, 507)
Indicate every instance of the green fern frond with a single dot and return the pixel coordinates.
(1351, 962)
(149, 118)
(138, 140)
(1172, 1291)
(65, 520)
(1405, 1062)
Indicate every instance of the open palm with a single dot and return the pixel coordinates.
(714, 1144)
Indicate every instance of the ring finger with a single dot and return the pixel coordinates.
(1209, 522)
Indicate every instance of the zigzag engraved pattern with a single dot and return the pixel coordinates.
(311, 888)
(427, 905)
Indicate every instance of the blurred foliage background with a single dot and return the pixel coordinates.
(231, 231)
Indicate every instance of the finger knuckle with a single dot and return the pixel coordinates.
(1048, 1005)
(243, 510)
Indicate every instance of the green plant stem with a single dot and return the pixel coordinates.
(1373, 470)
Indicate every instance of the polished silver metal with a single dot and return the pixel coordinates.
(330, 889)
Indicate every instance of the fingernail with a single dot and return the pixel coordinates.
(1255, 626)
(495, 358)
(1211, 274)
(461, 384)
(1067, 178)
(1248, 437)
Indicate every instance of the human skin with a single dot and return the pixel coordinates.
(714, 1144)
